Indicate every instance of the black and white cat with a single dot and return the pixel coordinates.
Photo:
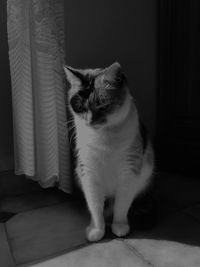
(114, 157)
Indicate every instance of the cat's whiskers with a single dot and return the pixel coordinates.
(67, 123)
(72, 138)
(68, 105)
(71, 128)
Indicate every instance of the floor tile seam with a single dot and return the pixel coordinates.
(41, 207)
(39, 191)
(191, 216)
(179, 210)
(177, 207)
(194, 204)
(9, 244)
(22, 193)
(55, 255)
(137, 253)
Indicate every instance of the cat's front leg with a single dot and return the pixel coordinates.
(95, 201)
(125, 194)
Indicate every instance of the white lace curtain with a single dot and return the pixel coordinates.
(36, 53)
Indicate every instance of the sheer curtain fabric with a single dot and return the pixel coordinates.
(36, 54)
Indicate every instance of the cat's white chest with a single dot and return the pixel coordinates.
(107, 170)
(102, 155)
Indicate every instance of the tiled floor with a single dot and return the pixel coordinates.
(45, 228)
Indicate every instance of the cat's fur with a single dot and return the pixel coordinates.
(114, 156)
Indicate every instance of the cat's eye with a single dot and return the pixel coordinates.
(77, 104)
(102, 107)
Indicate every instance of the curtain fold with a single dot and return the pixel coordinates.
(36, 54)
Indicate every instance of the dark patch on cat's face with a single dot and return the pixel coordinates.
(93, 100)
(98, 96)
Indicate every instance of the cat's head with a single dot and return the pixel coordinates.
(97, 96)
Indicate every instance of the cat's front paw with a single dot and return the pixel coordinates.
(120, 229)
(94, 234)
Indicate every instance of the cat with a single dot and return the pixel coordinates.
(115, 158)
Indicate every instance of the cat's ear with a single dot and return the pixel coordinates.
(114, 74)
(74, 76)
(112, 71)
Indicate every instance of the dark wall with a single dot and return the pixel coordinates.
(100, 32)
(6, 135)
